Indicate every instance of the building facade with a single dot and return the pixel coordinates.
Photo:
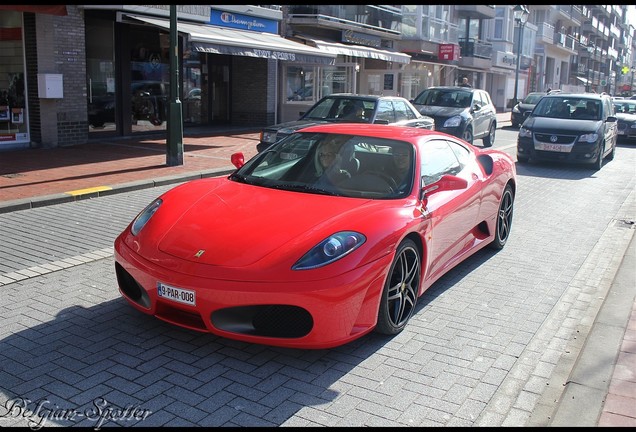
(70, 73)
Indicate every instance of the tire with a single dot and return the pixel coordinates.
(489, 139)
(504, 218)
(468, 135)
(401, 289)
(612, 153)
(598, 163)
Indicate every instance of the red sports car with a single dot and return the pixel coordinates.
(332, 232)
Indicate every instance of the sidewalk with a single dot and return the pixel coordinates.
(38, 177)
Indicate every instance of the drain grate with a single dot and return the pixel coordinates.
(12, 175)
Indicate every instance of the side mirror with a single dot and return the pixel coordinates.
(611, 119)
(238, 159)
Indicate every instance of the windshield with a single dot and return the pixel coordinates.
(340, 109)
(445, 98)
(625, 106)
(533, 98)
(565, 107)
(333, 164)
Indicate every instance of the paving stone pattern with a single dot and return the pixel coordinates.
(491, 343)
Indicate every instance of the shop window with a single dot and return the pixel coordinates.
(13, 113)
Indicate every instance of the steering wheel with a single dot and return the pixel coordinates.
(390, 181)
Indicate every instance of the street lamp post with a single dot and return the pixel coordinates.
(520, 13)
(590, 49)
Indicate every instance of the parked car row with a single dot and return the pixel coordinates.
(350, 108)
(463, 112)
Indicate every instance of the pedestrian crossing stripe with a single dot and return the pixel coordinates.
(88, 190)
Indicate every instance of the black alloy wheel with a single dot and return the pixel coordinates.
(400, 289)
(504, 218)
(489, 139)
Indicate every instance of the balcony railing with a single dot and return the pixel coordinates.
(373, 17)
(471, 47)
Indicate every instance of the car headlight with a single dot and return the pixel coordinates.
(453, 122)
(330, 249)
(268, 137)
(525, 133)
(589, 138)
(145, 215)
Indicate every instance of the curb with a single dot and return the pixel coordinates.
(60, 198)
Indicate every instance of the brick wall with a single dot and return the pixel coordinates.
(61, 50)
(251, 106)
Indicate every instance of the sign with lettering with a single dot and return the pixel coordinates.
(448, 52)
(243, 22)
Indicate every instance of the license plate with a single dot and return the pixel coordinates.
(564, 148)
(175, 294)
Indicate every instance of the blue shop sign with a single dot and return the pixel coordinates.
(243, 22)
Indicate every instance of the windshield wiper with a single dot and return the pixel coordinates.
(304, 188)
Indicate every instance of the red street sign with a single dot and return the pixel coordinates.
(448, 52)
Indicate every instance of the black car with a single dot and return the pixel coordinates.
(149, 101)
(465, 112)
(350, 108)
(569, 127)
(517, 115)
(626, 114)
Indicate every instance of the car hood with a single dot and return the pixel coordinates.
(292, 126)
(438, 111)
(560, 126)
(626, 116)
(238, 224)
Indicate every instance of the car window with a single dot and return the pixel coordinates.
(437, 159)
(326, 108)
(385, 111)
(532, 98)
(402, 111)
(478, 99)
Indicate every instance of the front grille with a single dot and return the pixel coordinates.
(280, 321)
(560, 139)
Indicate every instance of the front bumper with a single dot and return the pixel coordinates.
(312, 314)
(573, 153)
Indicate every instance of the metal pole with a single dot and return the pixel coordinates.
(587, 84)
(174, 147)
(520, 35)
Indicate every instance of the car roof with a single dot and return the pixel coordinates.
(361, 96)
(467, 89)
(592, 96)
(403, 133)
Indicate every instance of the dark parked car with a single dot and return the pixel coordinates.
(350, 108)
(626, 114)
(149, 102)
(465, 112)
(527, 104)
(569, 127)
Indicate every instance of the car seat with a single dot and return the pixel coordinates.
(349, 160)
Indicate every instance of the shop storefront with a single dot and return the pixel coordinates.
(357, 69)
(226, 71)
(14, 131)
